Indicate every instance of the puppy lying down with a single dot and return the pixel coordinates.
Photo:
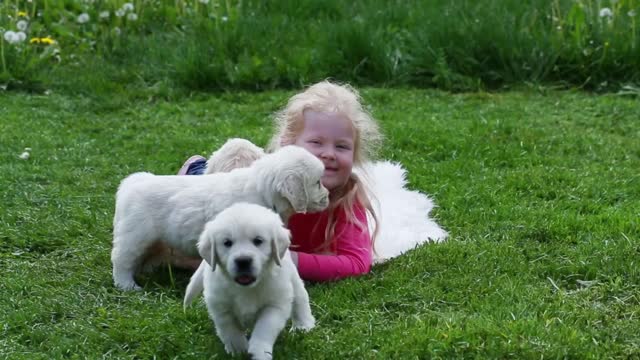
(249, 279)
(172, 210)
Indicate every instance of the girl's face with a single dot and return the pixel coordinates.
(330, 137)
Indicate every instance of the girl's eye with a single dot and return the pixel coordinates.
(227, 243)
(257, 241)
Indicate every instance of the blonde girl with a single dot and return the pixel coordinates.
(329, 120)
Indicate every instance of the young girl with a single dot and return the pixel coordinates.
(329, 121)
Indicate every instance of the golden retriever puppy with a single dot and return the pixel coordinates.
(249, 279)
(173, 209)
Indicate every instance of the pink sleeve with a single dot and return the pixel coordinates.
(353, 254)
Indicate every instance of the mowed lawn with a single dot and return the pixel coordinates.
(539, 190)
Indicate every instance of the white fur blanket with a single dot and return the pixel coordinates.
(403, 213)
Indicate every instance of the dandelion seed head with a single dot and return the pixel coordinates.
(117, 31)
(25, 155)
(631, 13)
(224, 19)
(132, 17)
(104, 15)
(13, 37)
(204, 1)
(127, 7)
(120, 13)
(606, 12)
(22, 25)
(8, 35)
(83, 18)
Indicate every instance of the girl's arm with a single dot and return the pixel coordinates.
(353, 254)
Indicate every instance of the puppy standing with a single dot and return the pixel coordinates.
(173, 210)
(249, 279)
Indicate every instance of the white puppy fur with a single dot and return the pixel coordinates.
(249, 279)
(234, 153)
(173, 209)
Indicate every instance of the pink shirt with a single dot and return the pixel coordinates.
(348, 254)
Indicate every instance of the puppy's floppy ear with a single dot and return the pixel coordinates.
(280, 244)
(207, 248)
(292, 188)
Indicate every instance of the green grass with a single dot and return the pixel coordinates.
(231, 44)
(538, 189)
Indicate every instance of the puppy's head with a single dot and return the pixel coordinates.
(235, 153)
(244, 241)
(298, 179)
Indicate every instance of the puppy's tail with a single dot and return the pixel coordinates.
(196, 285)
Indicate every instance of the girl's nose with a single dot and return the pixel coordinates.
(327, 153)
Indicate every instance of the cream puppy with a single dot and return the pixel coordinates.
(234, 153)
(249, 279)
(172, 210)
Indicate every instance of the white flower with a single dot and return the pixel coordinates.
(83, 18)
(132, 17)
(204, 1)
(24, 155)
(14, 37)
(104, 15)
(127, 7)
(224, 19)
(8, 35)
(606, 12)
(22, 25)
(119, 13)
(631, 13)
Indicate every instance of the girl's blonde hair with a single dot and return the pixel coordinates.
(329, 97)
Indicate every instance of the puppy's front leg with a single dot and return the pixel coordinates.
(230, 333)
(302, 317)
(267, 328)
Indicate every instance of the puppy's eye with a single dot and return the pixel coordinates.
(319, 184)
(227, 243)
(257, 241)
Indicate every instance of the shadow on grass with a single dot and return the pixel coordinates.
(167, 279)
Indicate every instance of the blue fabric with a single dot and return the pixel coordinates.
(197, 167)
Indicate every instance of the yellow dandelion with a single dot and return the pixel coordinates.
(47, 40)
(23, 14)
(34, 41)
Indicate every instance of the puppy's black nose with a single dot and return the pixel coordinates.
(243, 263)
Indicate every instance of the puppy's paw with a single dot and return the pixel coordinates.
(236, 345)
(260, 351)
(128, 286)
(304, 324)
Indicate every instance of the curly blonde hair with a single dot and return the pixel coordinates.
(330, 97)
